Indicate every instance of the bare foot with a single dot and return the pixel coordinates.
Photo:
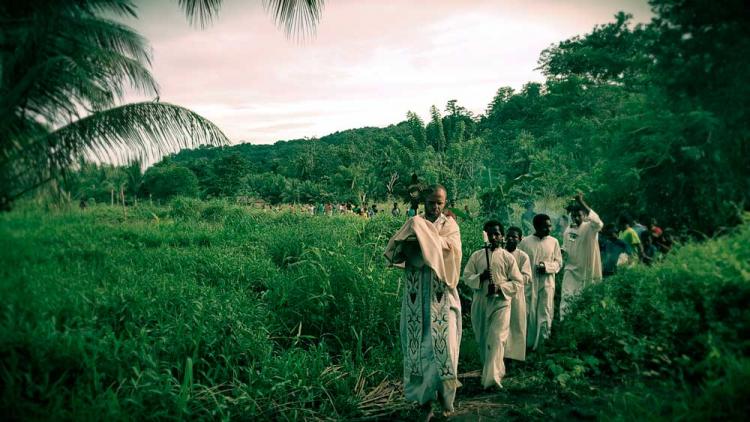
(426, 412)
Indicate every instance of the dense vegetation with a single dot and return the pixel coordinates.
(212, 310)
(638, 115)
(174, 307)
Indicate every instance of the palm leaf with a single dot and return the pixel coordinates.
(143, 131)
(297, 17)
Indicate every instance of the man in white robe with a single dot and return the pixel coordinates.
(583, 263)
(546, 260)
(516, 345)
(494, 288)
(428, 247)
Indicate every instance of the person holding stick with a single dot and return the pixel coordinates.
(493, 274)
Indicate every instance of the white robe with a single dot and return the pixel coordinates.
(430, 254)
(542, 296)
(490, 317)
(516, 345)
(583, 264)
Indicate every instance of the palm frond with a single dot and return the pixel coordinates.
(201, 12)
(143, 131)
(297, 17)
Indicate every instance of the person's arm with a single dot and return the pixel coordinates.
(514, 278)
(525, 269)
(472, 275)
(591, 216)
(554, 265)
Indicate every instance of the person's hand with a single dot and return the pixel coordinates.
(486, 276)
(541, 268)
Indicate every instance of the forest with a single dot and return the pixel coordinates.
(189, 289)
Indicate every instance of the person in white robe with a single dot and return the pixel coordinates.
(516, 345)
(583, 263)
(546, 260)
(494, 288)
(428, 247)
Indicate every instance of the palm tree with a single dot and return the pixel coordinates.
(64, 68)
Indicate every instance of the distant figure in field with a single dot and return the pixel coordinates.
(546, 260)
(527, 218)
(82, 205)
(395, 211)
(630, 237)
(428, 247)
(516, 346)
(649, 249)
(329, 209)
(583, 264)
(614, 252)
(640, 225)
(411, 212)
(494, 289)
(373, 210)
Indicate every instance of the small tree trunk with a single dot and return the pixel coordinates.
(112, 197)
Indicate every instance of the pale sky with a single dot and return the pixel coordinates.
(369, 63)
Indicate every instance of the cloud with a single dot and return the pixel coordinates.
(369, 63)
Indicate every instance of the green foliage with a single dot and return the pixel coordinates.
(683, 320)
(164, 182)
(69, 67)
(184, 312)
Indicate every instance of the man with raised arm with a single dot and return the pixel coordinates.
(545, 257)
(516, 345)
(428, 247)
(583, 263)
(494, 289)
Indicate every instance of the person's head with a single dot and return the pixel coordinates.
(512, 238)
(495, 233)
(577, 213)
(624, 221)
(542, 225)
(395, 205)
(646, 238)
(434, 201)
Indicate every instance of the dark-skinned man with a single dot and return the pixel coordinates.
(515, 347)
(545, 257)
(494, 289)
(583, 263)
(428, 247)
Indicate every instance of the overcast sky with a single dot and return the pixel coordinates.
(369, 63)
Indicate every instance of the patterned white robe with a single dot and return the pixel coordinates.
(430, 309)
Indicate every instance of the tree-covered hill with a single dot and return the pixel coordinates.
(648, 118)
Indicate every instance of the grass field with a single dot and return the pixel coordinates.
(207, 310)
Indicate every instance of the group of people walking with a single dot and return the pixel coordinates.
(513, 284)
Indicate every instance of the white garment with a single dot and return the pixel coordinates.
(583, 264)
(516, 345)
(490, 316)
(542, 298)
(430, 253)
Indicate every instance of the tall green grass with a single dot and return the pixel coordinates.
(209, 310)
(193, 311)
